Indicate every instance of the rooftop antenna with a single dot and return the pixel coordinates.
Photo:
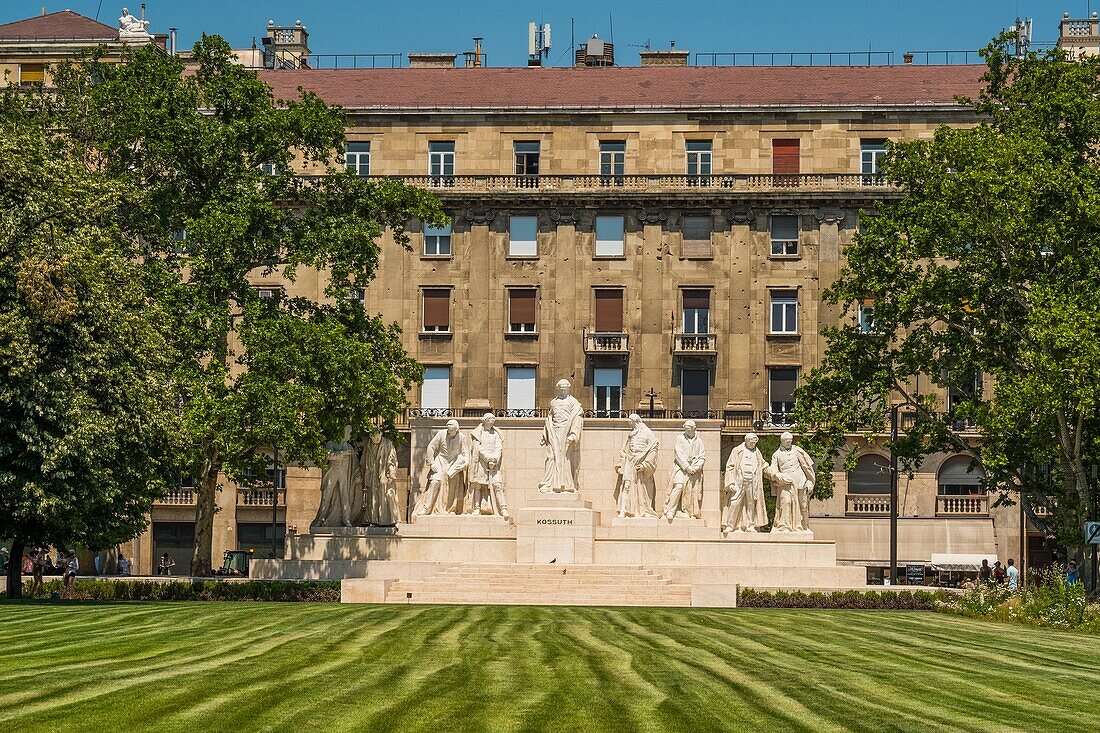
(611, 27)
(538, 43)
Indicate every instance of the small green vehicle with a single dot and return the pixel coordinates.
(235, 563)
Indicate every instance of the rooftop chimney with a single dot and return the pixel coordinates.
(432, 60)
(671, 57)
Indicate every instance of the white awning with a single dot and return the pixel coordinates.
(960, 562)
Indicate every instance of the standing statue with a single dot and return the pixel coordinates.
(378, 465)
(562, 437)
(340, 487)
(128, 25)
(486, 483)
(685, 494)
(745, 509)
(448, 455)
(637, 463)
(792, 470)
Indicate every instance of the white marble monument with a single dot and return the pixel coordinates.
(745, 510)
(447, 459)
(636, 465)
(378, 466)
(685, 481)
(562, 437)
(132, 28)
(486, 493)
(339, 487)
(792, 475)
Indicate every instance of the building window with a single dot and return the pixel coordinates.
(784, 311)
(784, 235)
(523, 236)
(695, 392)
(782, 382)
(698, 162)
(437, 241)
(696, 311)
(521, 388)
(269, 294)
(696, 232)
(270, 169)
(867, 318)
(178, 540)
(32, 73)
(609, 236)
(527, 158)
(441, 162)
(785, 162)
(358, 296)
(612, 162)
(608, 391)
(437, 310)
(357, 158)
(521, 310)
(609, 310)
(871, 154)
(435, 392)
(256, 536)
(962, 386)
(870, 476)
(955, 477)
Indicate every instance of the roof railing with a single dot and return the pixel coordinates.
(835, 58)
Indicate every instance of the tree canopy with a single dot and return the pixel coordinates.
(86, 399)
(988, 264)
(209, 157)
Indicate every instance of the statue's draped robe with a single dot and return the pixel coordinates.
(789, 470)
(379, 464)
(637, 463)
(486, 495)
(745, 506)
(689, 454)
(565, 419)
(341, 489)
(449, 457)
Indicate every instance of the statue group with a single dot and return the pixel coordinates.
(465, 475)
(359, 485)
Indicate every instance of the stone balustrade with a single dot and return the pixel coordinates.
(180, 496)
(260, 497)
(867, 505)
(606, 343)
(962, 506)
(695, 344)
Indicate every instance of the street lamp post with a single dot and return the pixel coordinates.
(275, 508)
(893, 494)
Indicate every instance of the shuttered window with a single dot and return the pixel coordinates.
(609, 311)
(437, 309)
(696, 232)
(782, 382)
(521, 388)
(696, 311)
(435, 392)
(523, 236)
(32, 73)
(521, 310)
(609, 236)
(695, 392)
(784, 235)
(785, 161)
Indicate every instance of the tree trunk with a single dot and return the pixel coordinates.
(15, 569)
(206, 506)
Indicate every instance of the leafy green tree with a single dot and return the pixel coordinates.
(988, 263)
(212, 153)
(85, 392)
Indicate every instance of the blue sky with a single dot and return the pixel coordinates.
(354, 26)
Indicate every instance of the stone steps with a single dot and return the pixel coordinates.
(521, 584)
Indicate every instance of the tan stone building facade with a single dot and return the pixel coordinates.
(660, 235)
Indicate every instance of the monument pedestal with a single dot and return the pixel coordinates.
(559, 528)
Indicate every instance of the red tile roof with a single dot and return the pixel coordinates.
(62, 25)
(696, 87)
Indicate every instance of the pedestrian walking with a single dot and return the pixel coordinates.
(1013, 575)
(72, 566)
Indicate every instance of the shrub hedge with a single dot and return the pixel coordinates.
(899, 600)
(1046, 599)
(197, 590)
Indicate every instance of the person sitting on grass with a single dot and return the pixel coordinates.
(72, 566)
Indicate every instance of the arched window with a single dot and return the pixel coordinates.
(870, 476)
(956, 479)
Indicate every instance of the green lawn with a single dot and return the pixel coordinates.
(326, 668)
